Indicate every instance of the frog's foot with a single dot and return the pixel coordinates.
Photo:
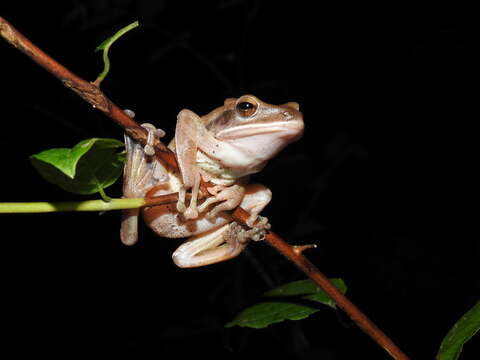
(237, 235)
(192, 211)
(181, 208)
(259, 227)
(153, 133)
(256, 220)
(229, 197)
(189, 212)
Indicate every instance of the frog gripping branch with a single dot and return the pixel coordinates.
(220, 149)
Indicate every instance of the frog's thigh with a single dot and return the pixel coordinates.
(257, 196)
(207, 248)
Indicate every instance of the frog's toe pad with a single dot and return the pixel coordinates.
(181, 208)
(190, 213)
(236, 234)
(258, 221)
(255, 233)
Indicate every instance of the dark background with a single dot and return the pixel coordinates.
(384, 180)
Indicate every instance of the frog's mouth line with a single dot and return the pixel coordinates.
(288, 128)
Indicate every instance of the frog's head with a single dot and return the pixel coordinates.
(256, 128)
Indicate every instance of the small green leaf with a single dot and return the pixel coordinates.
(87, 168)
(459, 334)
(263, 314)
(308, 288)
(300, 287)
(292, 304)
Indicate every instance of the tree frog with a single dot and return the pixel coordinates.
(221, 148)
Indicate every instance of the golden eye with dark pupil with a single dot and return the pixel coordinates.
(246, 108)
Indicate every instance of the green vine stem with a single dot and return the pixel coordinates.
(89, 205)
(105, 46)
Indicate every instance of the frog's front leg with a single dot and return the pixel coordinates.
(229, 240)
(191, 135)
(187, 132)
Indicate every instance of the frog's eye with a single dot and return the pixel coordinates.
(246, 108)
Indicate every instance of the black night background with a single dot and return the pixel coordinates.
(385, 179)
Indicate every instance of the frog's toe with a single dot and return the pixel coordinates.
(190, 213)
(257, 221)
(256, 233)
(129, 113)
(181, 208)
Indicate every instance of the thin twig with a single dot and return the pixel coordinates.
(93, 95)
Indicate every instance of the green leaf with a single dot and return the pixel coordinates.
(292, 304)
(105, 46)
(87, 168)
(263, 314)
(459, 334)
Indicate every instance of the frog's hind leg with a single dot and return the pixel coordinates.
(217, 245)
(187, 133)
(257, 196)
(141, 173)
(228, 240)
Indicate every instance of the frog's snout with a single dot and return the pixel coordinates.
(292, 105)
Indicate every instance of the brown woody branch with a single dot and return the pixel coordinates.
(92, 94)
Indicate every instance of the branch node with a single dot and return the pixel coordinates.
(298, 249)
